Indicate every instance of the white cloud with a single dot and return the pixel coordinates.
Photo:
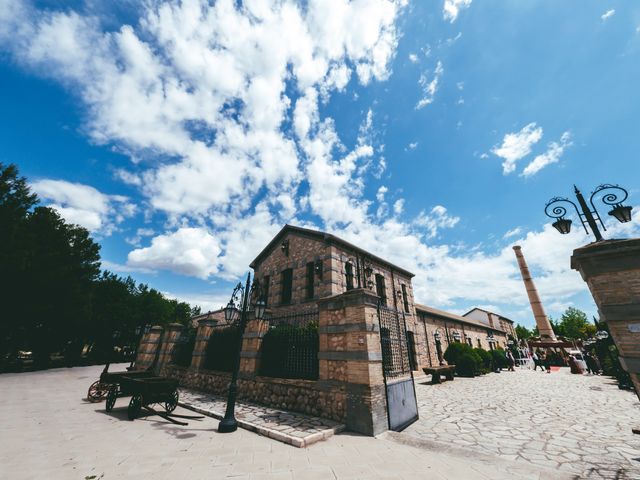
(552, 155)
(516, 146)
(412, 145)
(84, 205)
(436, 219)
(452, 8)
(608, 14)
(187, 251)
(413, 58)
(513, 232)
(429, 87)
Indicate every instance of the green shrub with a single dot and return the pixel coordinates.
(485, 360)
(467, 365)
(498, 359)
(455, 350)
(222, 349)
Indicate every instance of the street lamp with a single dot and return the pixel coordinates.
(235, 313)
(602, 334)
(614, 196)
(456, 336)
(436, 337)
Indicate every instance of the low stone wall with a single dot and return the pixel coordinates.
(305, 396)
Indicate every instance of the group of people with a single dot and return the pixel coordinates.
(542, 360)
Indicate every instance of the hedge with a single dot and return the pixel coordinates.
(222, 349)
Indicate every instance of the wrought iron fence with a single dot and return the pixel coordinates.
(222, 348)
(290, 347)
(393, 340)
(183, 348)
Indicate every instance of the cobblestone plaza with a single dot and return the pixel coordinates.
(575, 423)
(522, 425)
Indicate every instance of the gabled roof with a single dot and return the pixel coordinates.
(325, 237)
(454, 317)
(487, 311)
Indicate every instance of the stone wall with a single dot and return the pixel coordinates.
(306, 396)
(350, 388)
(148, 348)
(611, 269)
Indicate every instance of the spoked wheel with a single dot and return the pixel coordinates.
(111, 399)
(97, 391)
(171, 405)
(135, 405)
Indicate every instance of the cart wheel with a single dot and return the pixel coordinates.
(111, 398)
(171, 405)
(135, 405)
(97, 391)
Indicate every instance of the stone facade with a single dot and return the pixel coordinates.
(611, 269)
(309, 271)
(493, 319)
(449, 326)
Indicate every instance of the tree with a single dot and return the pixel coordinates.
(523, 332)
(573, 324)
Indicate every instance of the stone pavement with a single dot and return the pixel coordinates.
(574, 423)
(296, 429)
(49, 431)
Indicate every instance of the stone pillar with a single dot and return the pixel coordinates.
(205, 328)
(611, 269)
(542, 321)
(350, 355)
(171, 335)
(251, 343)
(148, 348)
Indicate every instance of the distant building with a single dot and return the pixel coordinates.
(216, 315)
(492, 319)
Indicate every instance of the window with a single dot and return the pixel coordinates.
(381, 290)
(405, 298)
(310, 272)
(348, 268)
(287, 285)
(469, 341)
(479, 344)
(265, 289)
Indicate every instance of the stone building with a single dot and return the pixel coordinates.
(454, 328)
(300, 266)
(353, 336)
(493, 320)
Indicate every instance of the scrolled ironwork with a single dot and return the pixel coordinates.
(559, 211)
(613, 199)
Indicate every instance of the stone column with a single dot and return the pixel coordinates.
(611, 269)
(251, 343)
(171, 334)
(542, 321)
(148, 348)
(205, 328)
(350, 355)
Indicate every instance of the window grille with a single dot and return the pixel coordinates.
(290, 347)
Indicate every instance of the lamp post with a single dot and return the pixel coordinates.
(235, 313)
(613, 196)
(436, 337)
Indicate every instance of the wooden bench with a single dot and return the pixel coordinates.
(435, 372)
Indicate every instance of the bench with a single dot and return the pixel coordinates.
(435, 372)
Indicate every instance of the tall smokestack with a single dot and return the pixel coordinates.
(544, 326)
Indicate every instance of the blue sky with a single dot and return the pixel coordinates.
(185, 134)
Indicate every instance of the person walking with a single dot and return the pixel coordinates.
(536, 361)
(546, 361)
(539, 360)
(511, 360)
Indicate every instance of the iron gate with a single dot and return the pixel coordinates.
(402, 407)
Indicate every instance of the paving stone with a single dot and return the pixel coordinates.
(555, 420)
